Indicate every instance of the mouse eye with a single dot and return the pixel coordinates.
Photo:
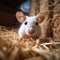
(36, 23)
(25, 23)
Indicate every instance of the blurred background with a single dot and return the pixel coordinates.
(8, 9)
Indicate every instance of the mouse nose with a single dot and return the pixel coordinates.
(33, 26)
(32, 32)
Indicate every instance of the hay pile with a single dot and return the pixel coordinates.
(28, 49)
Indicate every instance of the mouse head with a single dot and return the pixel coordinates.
(30, 23)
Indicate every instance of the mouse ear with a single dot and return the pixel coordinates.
(41, 16)
(20, 17)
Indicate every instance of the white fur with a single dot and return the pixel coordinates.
(24, 29)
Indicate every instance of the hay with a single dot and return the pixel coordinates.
(27, 49)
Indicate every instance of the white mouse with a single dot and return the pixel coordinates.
(30, 25)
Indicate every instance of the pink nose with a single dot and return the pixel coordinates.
(32, 32)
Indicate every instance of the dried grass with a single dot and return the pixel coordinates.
(27, 49)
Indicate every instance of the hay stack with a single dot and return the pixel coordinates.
(28, 49)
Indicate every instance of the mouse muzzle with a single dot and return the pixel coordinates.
(32, 32)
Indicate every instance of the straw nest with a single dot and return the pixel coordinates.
(28, 49)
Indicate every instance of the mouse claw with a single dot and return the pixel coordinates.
(19, 39)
